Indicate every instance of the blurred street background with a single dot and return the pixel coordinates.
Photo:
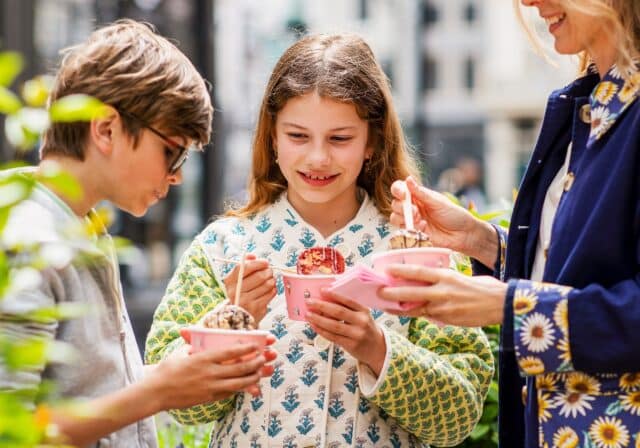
(469, 89)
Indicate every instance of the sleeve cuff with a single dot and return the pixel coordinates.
(539, 314)
(369, 384)
(498, 269)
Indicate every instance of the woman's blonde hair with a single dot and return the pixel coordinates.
(138, 72)
(341, 67)
(622, 18)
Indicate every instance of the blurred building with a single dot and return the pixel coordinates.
(465, 79)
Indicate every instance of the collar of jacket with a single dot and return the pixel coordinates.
(609, 99)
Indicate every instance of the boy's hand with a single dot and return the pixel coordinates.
(258, 286)
(351, 326)
(186, 379)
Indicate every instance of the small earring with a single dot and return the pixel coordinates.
(275, 151)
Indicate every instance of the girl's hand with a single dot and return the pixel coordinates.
(446, 224)
(258, 286)
(349, 325)
(448, 296)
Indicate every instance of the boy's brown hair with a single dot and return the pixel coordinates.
(343, 68)
(128, 66)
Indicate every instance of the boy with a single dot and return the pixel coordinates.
(157, 108)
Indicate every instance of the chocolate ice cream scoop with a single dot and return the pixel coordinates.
(229, 317)
(407, 239)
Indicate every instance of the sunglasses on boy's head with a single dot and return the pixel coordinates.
(183, 151)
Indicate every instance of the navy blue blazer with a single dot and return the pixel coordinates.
(575, 347)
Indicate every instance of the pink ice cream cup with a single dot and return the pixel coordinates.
(300, 288)
(433, 257)
(210, 338)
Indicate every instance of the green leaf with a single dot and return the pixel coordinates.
(29, 353)
(9, 101)
(63, 311)
(77, 107)
(492, 396)
(490, 413)
(11, 64)
(479, 431)
(13, 190)
(63, 183)
(452, 198)
(36, 91)
(35, 120)
(490, 216)
(614, 408)
(4, 273)
(19, 135)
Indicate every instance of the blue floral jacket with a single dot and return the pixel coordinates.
(570, 348)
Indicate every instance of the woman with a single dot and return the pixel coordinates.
(570, 305)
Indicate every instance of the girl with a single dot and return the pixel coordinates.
(570, 307)
(328, 146)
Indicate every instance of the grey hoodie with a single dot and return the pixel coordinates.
(106, 356)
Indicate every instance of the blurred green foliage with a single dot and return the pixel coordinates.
(26, 118)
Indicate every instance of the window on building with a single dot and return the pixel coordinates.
(470, 74)
(363, 9)
(429, 75)
(470, 13)
(429, 13)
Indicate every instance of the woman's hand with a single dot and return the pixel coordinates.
(448, 296)
(258, 286)
(351, 326)
(186, 379)
(446, 224)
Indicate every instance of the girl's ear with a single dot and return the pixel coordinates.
(368, 153)
(101, 131)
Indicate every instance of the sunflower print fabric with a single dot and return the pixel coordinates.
(607, 405)
(611, 97)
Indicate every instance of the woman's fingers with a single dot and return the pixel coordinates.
(416, 272)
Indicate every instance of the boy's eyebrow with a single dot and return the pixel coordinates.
(341, 128)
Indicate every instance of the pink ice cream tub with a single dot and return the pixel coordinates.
(300, 288)
(433, 257)
(210, 338)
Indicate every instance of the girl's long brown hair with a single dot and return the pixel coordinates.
(341, 67)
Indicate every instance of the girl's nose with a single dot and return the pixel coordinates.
(320, 154)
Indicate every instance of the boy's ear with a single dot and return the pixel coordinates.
(101, 130)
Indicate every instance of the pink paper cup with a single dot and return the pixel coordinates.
(433, 257)
(300, 288)
(212, 338)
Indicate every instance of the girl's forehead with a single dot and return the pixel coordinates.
(314, 108)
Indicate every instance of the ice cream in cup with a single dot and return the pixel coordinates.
(226, 325)
(316, 268)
